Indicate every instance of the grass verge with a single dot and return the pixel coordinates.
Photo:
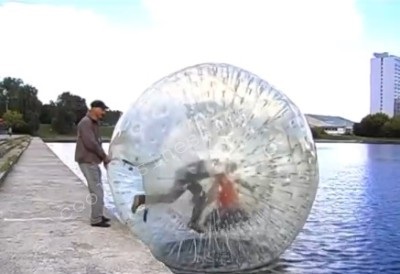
(13, 149)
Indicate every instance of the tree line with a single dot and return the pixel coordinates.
(378, 125)
(21, 109)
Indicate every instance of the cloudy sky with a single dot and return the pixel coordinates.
(316, 51)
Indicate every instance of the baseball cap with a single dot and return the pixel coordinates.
(99, 104)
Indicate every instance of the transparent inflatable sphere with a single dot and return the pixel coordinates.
(214, 169)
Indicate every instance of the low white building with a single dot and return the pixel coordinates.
(333, 125)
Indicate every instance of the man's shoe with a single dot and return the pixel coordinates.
(105, 219)
(101, 224)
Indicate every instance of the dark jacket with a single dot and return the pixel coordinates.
(88, 145)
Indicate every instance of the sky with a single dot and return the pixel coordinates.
(315, 51)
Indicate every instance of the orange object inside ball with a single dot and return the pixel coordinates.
(227, 195)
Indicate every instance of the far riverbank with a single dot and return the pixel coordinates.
(49, 136)
(72, 139)
(361, 141)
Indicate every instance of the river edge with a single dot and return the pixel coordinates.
(67, 140)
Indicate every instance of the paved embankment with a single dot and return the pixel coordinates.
(44, 224)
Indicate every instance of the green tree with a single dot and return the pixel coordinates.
(47, 113)
(30, 107)
(63, 122)
(74, 104)
(69, 110)
(111, 118)
(392, 128)
(14, 119)
(371, 125)
(22, 98)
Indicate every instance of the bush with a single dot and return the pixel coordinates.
(317, 132)
(392, 128)
(23, 129)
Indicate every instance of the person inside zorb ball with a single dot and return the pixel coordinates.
(214, 169)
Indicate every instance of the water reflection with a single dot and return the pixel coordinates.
(382, 203)
(354, 224)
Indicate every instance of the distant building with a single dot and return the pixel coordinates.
(334, 125)
(385, 84)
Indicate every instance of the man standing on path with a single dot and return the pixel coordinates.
(89, 154)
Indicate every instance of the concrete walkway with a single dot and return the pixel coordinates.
(44, 224)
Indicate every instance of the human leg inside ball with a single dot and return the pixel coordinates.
(221, 199)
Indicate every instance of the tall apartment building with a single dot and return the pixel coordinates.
(385, 84)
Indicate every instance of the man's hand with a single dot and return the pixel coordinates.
(106, 161)
(138, 200)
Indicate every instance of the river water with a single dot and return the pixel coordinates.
(354, 226)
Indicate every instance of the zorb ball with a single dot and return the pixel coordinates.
(214, 169)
